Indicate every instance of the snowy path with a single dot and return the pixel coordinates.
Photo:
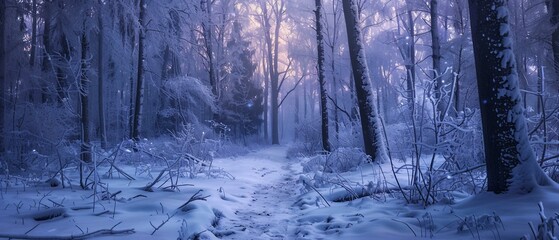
(265, 213)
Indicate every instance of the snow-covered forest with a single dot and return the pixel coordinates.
(279, 119)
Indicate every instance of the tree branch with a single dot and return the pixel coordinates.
(338, 107)
(284, 74)
(290, 91)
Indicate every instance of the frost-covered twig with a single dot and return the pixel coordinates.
(407, 225)
(316, 190)
(169, 216)
(195, 197)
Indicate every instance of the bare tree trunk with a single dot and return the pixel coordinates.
(333, 43)
(272, 55)
(321, 78)
(46, 59)
(101, 79)
(410, 63)
(510, 161)
(554, 7)
(370, 123)
(85, 146)
(461, 28)
(207, 27)
(138, 104)
(33, 33)
(297, 118)
(61, 75)
(436, 48)
(2, 72)
(266, 95)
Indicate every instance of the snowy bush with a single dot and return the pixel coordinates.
(34, 147)
(307, 139)
(350, 135)
(338, 161)
(546, 228)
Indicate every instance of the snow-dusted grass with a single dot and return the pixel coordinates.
(268, 197)
(378, 210)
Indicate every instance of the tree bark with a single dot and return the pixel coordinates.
(266, 94)
(206, 6)
(85, 152)
(100, 77)
(138, 103)
(33, 33)
(436, 57)
(2, 71)
(272, 55)
(554, 7)
(321, 78)
(46, 59)
(410, 63)
(370, 123)
(510, 161)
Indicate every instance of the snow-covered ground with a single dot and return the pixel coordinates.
(267, 197)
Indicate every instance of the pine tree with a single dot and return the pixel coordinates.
(242, 108)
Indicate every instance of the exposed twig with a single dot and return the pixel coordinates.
(162, 223)
(32, 228)
(195, 197)
(101, 213)
(320, 194)
(407, 225)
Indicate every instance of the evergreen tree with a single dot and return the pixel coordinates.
(242, 108)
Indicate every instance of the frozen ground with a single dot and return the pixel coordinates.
(266, 198)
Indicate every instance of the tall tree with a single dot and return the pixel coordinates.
(510, 161)
(33, 32)
(332, 41)
(553, 6)
(2, 70)
(272, 55)
(243, 104)
(321, 78)
(138, 103)
(101, 75)
(436, 56)
(85, 146)
(370, 122)
(207, 26)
